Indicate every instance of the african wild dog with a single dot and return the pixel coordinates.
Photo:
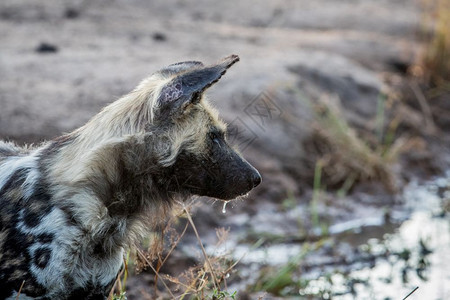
(70, 207)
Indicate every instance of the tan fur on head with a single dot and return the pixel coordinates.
(130, 115)
(96, 146)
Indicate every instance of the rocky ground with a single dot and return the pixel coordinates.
(61, 62)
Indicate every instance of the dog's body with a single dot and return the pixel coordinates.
(69, 208)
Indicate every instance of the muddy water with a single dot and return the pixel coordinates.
(414, 255)
(380, 257)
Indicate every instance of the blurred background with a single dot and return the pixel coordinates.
(343, 106)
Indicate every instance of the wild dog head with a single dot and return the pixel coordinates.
(200, 161)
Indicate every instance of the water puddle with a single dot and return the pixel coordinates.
(414, 255)
(368, 258)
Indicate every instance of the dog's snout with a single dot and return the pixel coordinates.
(256, 178)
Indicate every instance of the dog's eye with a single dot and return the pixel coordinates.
(215, 137)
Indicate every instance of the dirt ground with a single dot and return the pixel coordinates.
(62, 61)
(104, 48)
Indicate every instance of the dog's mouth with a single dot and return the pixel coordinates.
(238, 186)
(232, 190)
(221, 192)
(232, 178)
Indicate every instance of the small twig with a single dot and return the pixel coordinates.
(125, 276)
(20, 290)
(216, 283)
(112, 292)
(426, 110)
(191, 287)
(163, 261)
(156, 273)
(411, 292)
(174, 245)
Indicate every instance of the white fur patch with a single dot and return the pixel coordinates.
(12, 164)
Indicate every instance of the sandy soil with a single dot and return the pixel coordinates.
(105, 48)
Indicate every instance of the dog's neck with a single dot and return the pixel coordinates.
(110, 200)
(105, 173)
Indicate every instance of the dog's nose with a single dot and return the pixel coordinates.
(256, 179)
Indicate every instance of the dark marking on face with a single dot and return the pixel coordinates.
(42, 257)
(220, 172)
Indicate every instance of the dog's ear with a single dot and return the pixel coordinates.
(190, 80)
(181, 67)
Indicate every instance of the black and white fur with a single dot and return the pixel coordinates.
(69, 208)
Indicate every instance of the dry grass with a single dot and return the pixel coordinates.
(207, 280)
(436, 57)
(345, 157)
